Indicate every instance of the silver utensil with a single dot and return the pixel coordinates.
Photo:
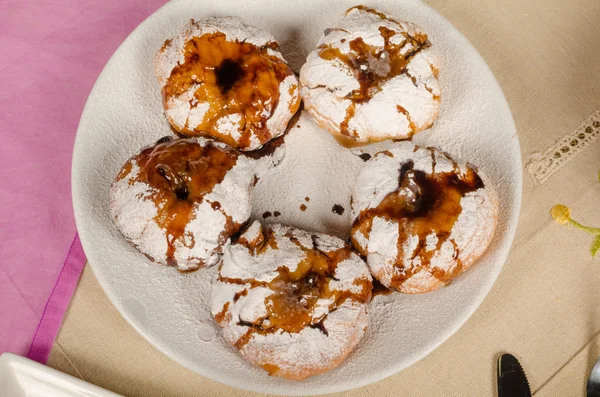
(512, 381)
(593, 384)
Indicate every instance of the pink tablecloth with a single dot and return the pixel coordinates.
(52, 52)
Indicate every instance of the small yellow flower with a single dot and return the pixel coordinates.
(561, 214)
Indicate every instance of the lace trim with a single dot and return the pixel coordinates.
(542, 165)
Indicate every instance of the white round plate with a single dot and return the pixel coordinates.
(124, 113)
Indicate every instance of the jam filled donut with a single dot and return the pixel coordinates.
(228, 81)
(420, 218)
(179, 201)
(292, 302)
(371, 78)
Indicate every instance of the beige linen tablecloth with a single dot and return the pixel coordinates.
(545, 306)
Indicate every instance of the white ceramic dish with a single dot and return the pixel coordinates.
(124, 113)
(21, 377)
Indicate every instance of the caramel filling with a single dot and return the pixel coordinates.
(233, 78)
(422, 204)
(182, 172)
(294, 297)
(372, 66)
(295, 294)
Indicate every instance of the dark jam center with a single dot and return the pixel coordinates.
(291, 305)
(228, 73)
(371, 66)
(295, 294)
(181, 192)
(337, 209)
(175, 180)
(187, 169)
(422, 205)
(416, 194)
(420, 194)
(182, 173)
(231, 77)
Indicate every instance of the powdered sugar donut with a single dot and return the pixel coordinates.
(420, 218)
(179, 201)
(292, 302)
(372, 78)
(229, 81)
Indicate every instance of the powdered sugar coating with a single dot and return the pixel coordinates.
(311, 352)
(132, 210)
(240, 292)
(405, 104)
(468, 239)
(185, 113)
(135, 214)
(263, 164)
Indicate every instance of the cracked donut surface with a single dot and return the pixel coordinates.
(372, 78)
(420, 217)
(229, 81)
(291, 301)
(180, 200)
